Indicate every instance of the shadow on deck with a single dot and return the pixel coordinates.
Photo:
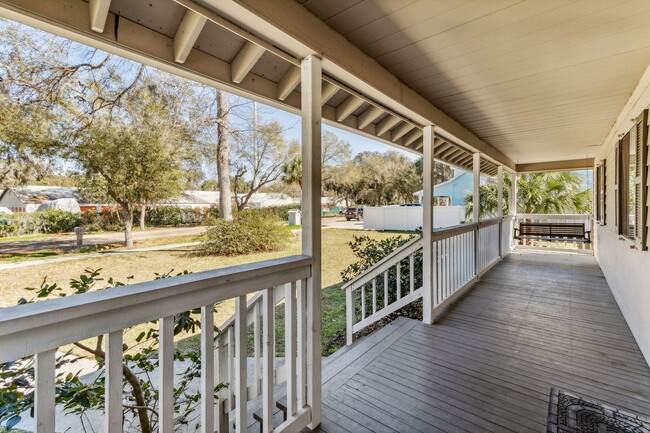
(535, 321)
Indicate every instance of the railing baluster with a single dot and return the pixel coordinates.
(223, 411)
(363, 301)
(374, 295)
(301, 384)
(231, 368)
(256, 349)
(207, 369)
(113, 387)
(448, 266)
(290, 346)
(350, 312)
(268, 361)
(241, 364)
(166, 361)
(412, 273)
(45, 391)
(398, 279)
(385, 289)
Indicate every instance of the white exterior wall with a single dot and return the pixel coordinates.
(409, 218)
(626, 270)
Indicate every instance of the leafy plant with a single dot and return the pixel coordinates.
(250, 232)
(80, 394)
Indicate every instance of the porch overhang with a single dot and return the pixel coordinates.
(572, 164)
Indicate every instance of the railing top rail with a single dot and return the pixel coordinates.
(406, 249)
(32, 328)
(555, 216)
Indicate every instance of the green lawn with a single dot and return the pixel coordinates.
(142, 267)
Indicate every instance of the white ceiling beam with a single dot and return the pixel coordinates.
(401, 130)
(370, 115)
(244, 61)
(187, 34)
(347, 107)
(328, 90)
(288, 82)
(412, 136)
(387, 123)
(98, 14)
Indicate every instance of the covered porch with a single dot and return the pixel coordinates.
(536, 320)
(509, 325)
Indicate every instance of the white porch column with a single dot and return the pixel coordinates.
(500, 206)
(311, 224)
(476, 208)
(428, 287)
(500, 191)
(513, 207)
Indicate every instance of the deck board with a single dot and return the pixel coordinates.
(535, 321)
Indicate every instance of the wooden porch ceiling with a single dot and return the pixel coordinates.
(535, 321)
(192, 40)
(538, 80)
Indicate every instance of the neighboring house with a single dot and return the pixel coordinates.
(261, 200)
(29, 198)
(195, 199)
(452, 192)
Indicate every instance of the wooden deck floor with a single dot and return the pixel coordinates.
(534, 321)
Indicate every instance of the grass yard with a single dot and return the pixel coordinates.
(143, 266)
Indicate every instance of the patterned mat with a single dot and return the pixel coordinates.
(568, 413)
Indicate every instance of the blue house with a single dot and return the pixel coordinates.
(453, 191)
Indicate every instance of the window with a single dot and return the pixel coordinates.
(601, 201)
(631, 171)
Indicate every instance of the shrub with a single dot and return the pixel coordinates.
(369, 251)
(250, 232)
(57, 221)
(169, 216)
(280, 212)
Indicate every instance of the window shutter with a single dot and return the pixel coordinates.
(617, 202)
(640, 185)
(599, 214)
(603, 191)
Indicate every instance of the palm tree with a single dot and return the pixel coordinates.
(292, 172)
(537, 193)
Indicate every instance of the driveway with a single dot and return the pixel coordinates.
(69, 241)
(341, 223)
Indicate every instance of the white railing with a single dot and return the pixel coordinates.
(39, 329)
(389, 285)
(460, 254)
(560, 244)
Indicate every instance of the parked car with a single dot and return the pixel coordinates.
(354, 213)
(410, 204)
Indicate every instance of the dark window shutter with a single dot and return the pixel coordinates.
(640, 186)
(597, 201)
(617, 201)
(603, 195)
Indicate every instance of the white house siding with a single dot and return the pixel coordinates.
(626, 270)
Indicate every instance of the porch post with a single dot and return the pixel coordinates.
(311, 224)
(500, 206)
(427, 226)
(513, 207)
(476, 208)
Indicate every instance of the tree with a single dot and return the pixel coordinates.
(441, 171)
(292, 172)
(260, 154)
(129, 164)
(537, 193)
(223, 156)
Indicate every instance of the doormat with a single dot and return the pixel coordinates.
(568, 413)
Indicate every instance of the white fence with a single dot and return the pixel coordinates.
(409, 218)
(40, 329)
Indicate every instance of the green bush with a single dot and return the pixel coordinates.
(169, 216)
(250, 232)
(57, 221)
(280, 212)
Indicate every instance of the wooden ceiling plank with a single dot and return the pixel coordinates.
(187, 34)
(328, 90)
(371, 114)
(288, 82)
(401, 130)
(412, 136)
(386, 124)
(98, 14)
(348, 106)
(244, 61)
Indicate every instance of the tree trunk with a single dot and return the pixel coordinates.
(127, 216)
(143, 210)
(223, 156)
